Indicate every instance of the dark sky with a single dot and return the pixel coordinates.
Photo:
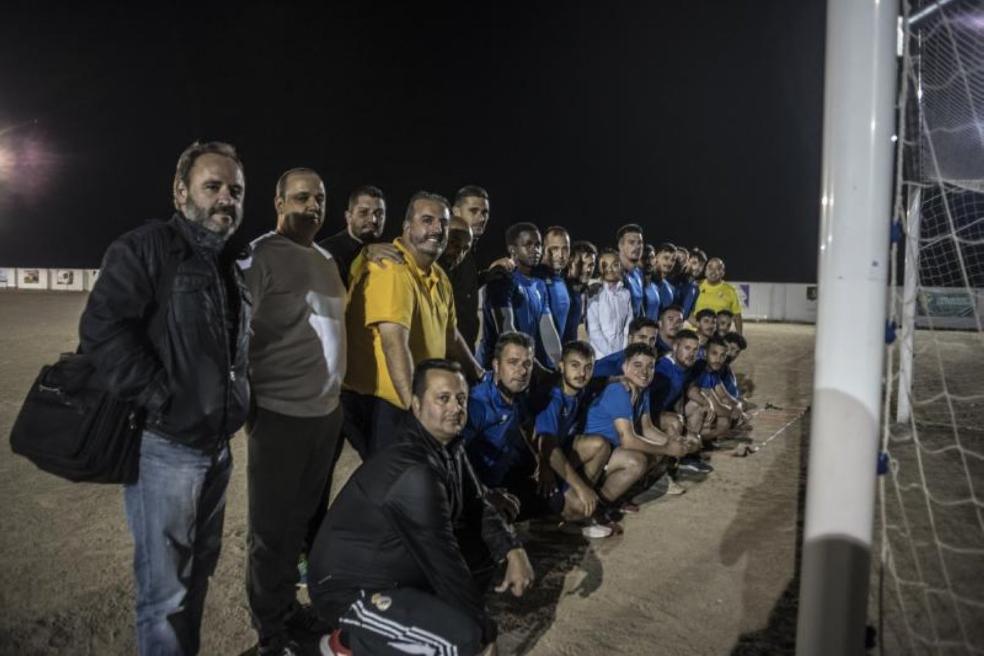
(700, 120)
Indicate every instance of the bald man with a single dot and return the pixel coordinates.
(460, 239)
(716, 294)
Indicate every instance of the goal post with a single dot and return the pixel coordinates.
(855, 218)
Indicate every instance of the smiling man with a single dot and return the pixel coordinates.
(297, 364)
(408, 548)
(399, 314)
(189, 377)
(717, 295)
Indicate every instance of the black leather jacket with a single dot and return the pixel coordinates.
(190, 374)
(403, 520)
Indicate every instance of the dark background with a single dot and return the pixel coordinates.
(699, 120)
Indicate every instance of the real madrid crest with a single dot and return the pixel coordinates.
(381, 601)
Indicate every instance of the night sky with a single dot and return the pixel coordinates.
(700, 120)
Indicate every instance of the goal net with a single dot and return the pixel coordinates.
(931, 581)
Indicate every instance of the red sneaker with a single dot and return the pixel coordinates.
(331, 645)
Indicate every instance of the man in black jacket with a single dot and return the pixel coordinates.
(365, 220)
(471, 204)
(186, 367)
(406, 550)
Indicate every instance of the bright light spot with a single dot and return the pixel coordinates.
(6, 164)
(895, 138)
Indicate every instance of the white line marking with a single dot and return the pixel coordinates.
(784, 427)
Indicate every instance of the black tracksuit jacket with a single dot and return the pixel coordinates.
(406, 518)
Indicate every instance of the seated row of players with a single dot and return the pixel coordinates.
(416, 536)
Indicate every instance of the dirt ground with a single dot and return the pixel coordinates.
(932, 588)
(710, 572)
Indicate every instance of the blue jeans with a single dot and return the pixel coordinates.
(175, 511)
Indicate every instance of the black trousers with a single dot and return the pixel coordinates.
(291, 460)
(371, 423)
(407, 620)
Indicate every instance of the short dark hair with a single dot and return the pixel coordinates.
(736, 338)
(668, 308)
(190, 154)
(706, 312)
(717, 341)
(638, 348)
(727, 313)
(419, 385)
(579, 347)
(470, 191)
(686, 333)
(698, 253)
(365, 190)
(666, 247)
(556, 229)
(513, 337)
(515, 230)
(627, 228)
(639, 323)
(584, 246)
(424, 195)
(282, 180)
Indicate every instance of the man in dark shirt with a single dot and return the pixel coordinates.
(365, 220)
(403, 556)
(471, 203)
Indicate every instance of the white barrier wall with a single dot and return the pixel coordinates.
(762, 301)
(766, 301)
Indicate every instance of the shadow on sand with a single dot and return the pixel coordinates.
(778, 637)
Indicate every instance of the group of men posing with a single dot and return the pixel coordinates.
(465, 426)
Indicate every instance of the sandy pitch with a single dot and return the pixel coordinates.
(710, 572)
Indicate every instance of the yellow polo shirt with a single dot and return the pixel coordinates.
(721, 296)
(395, 293)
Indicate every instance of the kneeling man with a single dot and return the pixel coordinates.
(402, 558)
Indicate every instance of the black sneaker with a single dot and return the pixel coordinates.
(695, 465)
(279, 648)
(305, 621)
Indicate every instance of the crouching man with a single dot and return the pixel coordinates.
(620, 414)
(404, 554)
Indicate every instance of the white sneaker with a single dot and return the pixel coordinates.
(673, 488)
(596, 531)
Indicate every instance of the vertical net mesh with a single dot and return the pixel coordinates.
(932, 496)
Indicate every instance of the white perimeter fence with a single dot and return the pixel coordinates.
(762, 301)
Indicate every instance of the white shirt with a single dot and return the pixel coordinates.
(608, 317)
(297, 349)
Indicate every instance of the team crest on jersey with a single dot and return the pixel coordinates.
(381, 601)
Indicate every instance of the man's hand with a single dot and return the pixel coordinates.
(507, 504)
(381, 253)
(546, 478)
(503, 263)
(519, 573)
(588, 499)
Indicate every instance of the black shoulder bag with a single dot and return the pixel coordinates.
(71, 428)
